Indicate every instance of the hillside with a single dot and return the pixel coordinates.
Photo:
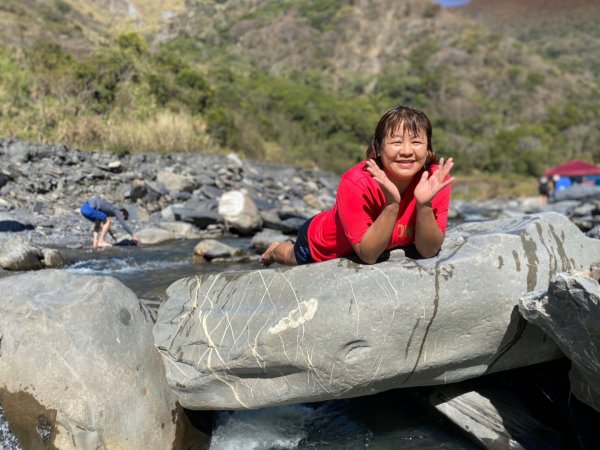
(564, 32)
(80, 25)
(536, 12)
(303, 81)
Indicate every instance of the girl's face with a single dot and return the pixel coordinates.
(404, 155)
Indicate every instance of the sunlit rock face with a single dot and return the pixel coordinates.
(78, 369)
(340, 329)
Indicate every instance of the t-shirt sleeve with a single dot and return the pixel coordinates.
(356, 209)
(440, 205)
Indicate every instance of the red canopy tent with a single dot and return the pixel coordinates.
(575, 168)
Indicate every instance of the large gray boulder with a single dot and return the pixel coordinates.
(341, 329)
(570, 314)
(78, 369)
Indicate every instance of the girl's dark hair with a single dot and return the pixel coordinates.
(411, 120)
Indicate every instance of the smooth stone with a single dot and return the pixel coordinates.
(570, 314)
(339, 329)
(78, 369)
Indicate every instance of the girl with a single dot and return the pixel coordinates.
(397, 197)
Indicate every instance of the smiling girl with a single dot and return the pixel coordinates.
(399, 196)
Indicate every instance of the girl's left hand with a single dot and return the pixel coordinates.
(430, 185)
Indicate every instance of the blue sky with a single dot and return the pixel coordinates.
(451, 3)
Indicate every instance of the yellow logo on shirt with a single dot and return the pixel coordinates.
(405, 232)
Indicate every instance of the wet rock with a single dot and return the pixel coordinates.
(52, 259)
(155, 235)
(13, 225)
(210, 249)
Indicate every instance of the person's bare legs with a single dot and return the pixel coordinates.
(96, 235)
(279, 252)
(105, 227)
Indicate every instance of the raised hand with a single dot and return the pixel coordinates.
(392, 194)
(428, 186)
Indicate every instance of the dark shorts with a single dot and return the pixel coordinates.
(92, 214)
(301, 248)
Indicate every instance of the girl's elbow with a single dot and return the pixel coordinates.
(428, 252)
(368, 260)
(428, 255)
(365, 258)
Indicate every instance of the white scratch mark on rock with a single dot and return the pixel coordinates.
(304, 312)
(394, 305)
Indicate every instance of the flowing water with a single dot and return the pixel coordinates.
(388, 420)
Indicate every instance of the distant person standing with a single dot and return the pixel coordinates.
(98, 211)
(544, 190)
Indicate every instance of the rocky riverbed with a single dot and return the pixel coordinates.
(191, 195)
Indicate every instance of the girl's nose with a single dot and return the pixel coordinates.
(405, 148)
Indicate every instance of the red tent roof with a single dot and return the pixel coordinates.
(575, 168)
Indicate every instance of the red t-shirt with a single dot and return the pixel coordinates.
(359, 201)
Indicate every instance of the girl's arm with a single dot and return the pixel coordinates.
(428, 236)
(377, 237)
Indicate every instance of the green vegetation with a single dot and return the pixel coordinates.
(502, 110)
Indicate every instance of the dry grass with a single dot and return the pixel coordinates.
(165, 131)
(486, 186)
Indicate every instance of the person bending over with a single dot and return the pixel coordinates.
(399, 196)
(98, 211)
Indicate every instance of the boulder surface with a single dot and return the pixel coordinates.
(570, 314)
(78, 368)
(337, 329)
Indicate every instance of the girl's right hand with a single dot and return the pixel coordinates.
(392, 194)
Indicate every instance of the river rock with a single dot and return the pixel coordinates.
(182, 230)
(210, 249)
(176, 182)
(17, 254)
(155, 235)
(340, 329)
(240, 212)
(52, 258)
(78, 369)
(570, 314)
(493, 417)
(261, 241)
